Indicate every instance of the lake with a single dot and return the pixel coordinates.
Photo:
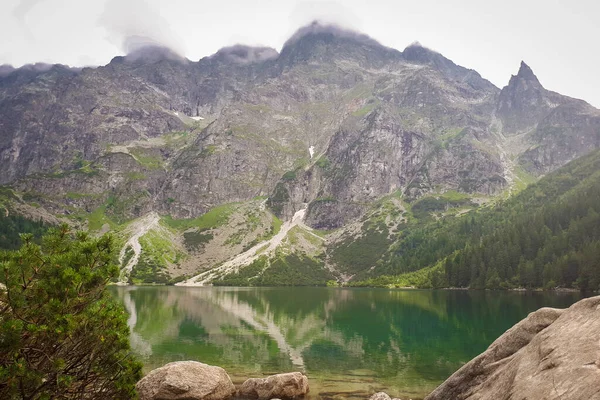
(350, 342)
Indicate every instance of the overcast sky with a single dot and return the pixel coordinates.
(559, 39)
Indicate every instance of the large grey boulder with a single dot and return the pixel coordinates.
(284, 386)
(189, 380)
(551, 355)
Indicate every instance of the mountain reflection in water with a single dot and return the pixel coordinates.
(350, 342)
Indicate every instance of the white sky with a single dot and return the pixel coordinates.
(559, 39)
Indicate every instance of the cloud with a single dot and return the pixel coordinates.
(23, 8)
(134, 24)
(317, 27)
(241, 54)
(331, 12)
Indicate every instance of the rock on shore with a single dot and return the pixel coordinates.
(187, 380)
(191, 380)
(552, 354)
(286, 386)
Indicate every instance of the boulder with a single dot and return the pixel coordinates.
(189, 380)
(285, 386)
(552, 354)
(380, 396)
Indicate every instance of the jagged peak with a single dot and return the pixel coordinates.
(243, 54)
(526, 72)
(316, 28)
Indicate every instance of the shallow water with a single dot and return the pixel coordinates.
(350, 342)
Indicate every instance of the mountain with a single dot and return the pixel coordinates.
(547, 235)
(192, 163)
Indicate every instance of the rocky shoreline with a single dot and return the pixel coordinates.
(192, 380)
(552, 354)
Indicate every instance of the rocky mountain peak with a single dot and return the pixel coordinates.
(418, 53)
(150, 54)
(525, 78)
(6, 69)
(525, 72)
(318, 30)
(320, 41)
(242, 54)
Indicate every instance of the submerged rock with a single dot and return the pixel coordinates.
(189, 380)
(285, 386)
(552, 354)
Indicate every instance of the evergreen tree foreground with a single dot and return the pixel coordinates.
(61, 335)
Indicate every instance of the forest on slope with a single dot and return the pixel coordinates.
(547, 236)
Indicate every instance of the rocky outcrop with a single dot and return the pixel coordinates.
(284, 386)
(189, 380)
(552, 354)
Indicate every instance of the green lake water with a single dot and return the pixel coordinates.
(350, 342)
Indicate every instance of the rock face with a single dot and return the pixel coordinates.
(378, 119)
(186, 380)
(552, 355)
(285, 386)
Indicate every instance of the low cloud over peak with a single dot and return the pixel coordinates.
(242, 54)
(319, 27)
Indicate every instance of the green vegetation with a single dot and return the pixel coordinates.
(157, 254)
(195, 240)
(278, 199)
(276, 227)
(425, 278)
(208, 151)
(546, 236)
(63, 337)
(367, 108)
(426, 206)
(523, 178)
(283, 270)
(147, 158)
(97, 218)
(323, 162)
(135, 176)
(119, 208)
(356, 254)
(12, 226)
(215, 217)
(289, 176)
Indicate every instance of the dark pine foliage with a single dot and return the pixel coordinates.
(546, 236)
(61, 335)
(11, 226)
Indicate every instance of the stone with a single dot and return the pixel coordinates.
(189, 380)
(552, 354)
(284, 386)
(380, 396)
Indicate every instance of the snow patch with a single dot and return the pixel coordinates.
(197, 118)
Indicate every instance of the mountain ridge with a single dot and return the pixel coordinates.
(332, 125)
